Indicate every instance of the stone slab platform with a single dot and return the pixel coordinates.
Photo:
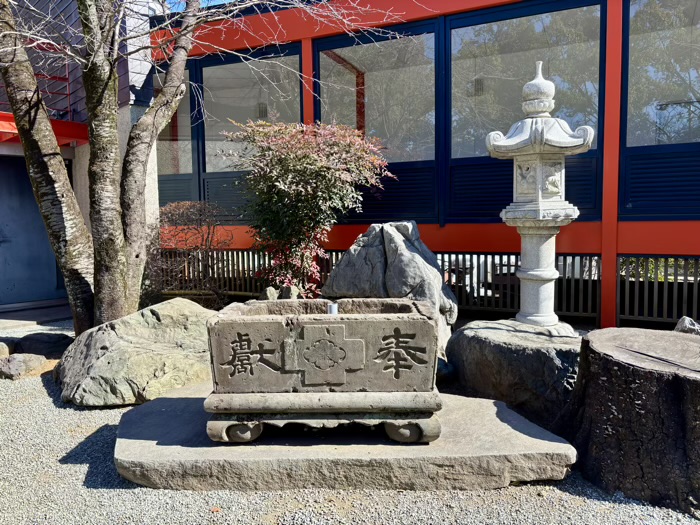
(163, 444)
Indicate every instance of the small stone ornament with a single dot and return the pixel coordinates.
(538, 145)
(323, 364)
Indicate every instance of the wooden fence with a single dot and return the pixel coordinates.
(658, 288)
(228, 272)
(481, 282)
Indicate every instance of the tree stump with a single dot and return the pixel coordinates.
(635, 415)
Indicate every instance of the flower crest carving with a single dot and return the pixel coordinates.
(324, 354)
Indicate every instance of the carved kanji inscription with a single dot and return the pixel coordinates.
(245, 356)
(398, 353)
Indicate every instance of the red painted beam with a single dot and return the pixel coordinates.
(611, 164)
(294, 25)
(659, 238)
(579, 237)
(360, 111)
(74, 132)
(232, 237)
(67, 133)
(307, 72)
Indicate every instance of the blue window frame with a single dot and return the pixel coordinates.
(219, 185)
(659, 165)
(431, 188)
(479, 187)
(468, 188)
(390, 89)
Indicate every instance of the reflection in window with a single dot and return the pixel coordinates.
(257, 90)
(664, 78)
(174, 149)
(387, 90)
(492, 62)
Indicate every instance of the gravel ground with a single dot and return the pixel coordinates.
(64, 327)
(56, 467)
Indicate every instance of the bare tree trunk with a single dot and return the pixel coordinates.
(120, 233)
(68, 234)
(142, 138)
(101, 83)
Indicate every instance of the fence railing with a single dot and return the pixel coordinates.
(650, 288)
(488, 282)
(228, 272)
(482, 282)
(658, 288)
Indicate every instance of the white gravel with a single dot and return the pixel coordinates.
(63, 327)
(56, 467)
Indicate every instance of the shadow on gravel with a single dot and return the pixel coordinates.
(182, 422)
(53, 389)
(97, 452)
(577, 485)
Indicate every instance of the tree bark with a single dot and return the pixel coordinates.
(143, 136)
(101, 84)
(635, 415)
(69, 236)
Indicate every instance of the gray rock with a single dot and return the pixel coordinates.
(289, 292)
(269, 294)
(138, 357)
(390, 260)
(49, 344)
(687, 325)
(7, 346)
(18, 365)
(484, 445)
(523, 365)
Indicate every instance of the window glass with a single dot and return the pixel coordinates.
(664, 82)
(174, 149)
(492, 62)
(256, 90)
(386, 89)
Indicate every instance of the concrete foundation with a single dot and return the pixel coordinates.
(484, 445)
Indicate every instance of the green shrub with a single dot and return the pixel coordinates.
(302, 178)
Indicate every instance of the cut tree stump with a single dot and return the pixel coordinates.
(635, 415)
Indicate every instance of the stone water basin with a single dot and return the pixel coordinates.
(288, 361)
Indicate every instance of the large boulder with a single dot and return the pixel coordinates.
(138, 357)
(391, 261)
(528, 367)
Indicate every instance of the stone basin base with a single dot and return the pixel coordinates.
(404, 428)
(407, 417)
(483, 445)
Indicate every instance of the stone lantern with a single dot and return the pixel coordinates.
(538, 145)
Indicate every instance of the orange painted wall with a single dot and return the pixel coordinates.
(582, 237)
(659, 238)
